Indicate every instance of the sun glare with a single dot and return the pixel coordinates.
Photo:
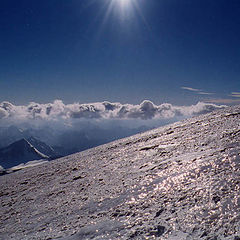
(125, 10)
(121, 7)
(124, 3)
(124, 7)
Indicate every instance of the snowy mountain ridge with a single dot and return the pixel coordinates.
(19, 152)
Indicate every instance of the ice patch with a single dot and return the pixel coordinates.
(27, 165)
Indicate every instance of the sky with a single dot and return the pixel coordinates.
(165, 51)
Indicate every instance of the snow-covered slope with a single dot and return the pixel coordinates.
(2, 170)
(19, 152)
(43, 147)
(181, 181)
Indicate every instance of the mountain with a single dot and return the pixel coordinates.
(19, 152)
(181, 181)
(64, 141)
(43, 148)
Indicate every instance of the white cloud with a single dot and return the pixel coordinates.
(197, 91)
(235, 94)
(191, 89)
(205, 93)
(224, 101)
(100, 110)
(3, 113)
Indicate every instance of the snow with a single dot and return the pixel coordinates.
(27, 165)
(19, 152)
(181, 181)
(2, 170)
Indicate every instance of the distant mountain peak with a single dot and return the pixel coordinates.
(21, 141)
(43, 147)
(21, 151)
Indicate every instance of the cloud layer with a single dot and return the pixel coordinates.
(101, 110)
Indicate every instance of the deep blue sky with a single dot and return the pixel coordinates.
(70, 50)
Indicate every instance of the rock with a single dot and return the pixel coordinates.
(216, 199)
(158, 213)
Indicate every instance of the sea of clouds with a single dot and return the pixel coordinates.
(76, 127)
(57, 110)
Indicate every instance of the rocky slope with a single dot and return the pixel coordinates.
(181, 181)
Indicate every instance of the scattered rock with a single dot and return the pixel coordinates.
(216, 199)
(158, 232)
(148, 148)
(77, 177)
(204, 234)
(158, 213)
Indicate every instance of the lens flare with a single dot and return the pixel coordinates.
(125, 10)
(124, 3)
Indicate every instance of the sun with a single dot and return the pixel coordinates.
(125, 10)
(120, 7)
(124, 2)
